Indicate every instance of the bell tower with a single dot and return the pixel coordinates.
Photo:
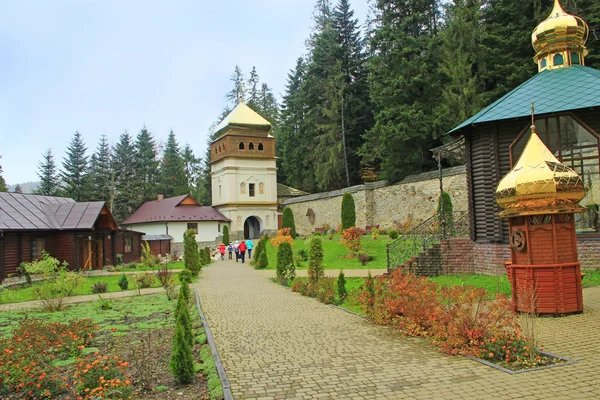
(244, 173)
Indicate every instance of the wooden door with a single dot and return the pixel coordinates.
(98, 257)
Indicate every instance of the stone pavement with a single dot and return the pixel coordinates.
(276, 344)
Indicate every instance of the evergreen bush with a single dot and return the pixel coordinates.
(348, 211)
(315, 261)
(185, 277)
(207, 255)
(263, 261)
(445, 217)
(287, 220)
(225, 235)
(258, 250)
(393, 234)
(191, 259)
(123, 282)
(341, 286)
(285, 257)
(181, 363)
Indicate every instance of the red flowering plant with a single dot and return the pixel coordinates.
(26, 357)
(102, 376)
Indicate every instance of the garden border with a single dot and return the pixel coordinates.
(510, 371)
(227, 395)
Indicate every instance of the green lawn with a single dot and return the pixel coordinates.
(19, 294)
(142, 267)
(335, 253)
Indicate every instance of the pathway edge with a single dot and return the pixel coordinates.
(227, 395)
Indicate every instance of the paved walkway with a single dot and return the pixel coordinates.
(276, 344)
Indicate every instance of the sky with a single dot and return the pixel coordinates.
(105, 67)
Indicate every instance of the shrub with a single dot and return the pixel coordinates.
(119, 259)
(341, 286)
(131, 265)
(351, 239)
(348, 211)
(163, 274)
(303, 253)
(364, 258)
(185, 277)
(47, 265)
(225, 235)
(182, 313)
(278, 240)
(258, 249)
(263, 261)
(143, 280)
(191, 258)
(123, 282)
(103, 377)
(323, 290)
(181, 363)
(375, 233)
(315, 263)
(445, 218)
(207, 257)
(287, 221)
(53, 291)
(22, 270)
(393, 234)
(148, 259)
(99, 287)
(285, 261)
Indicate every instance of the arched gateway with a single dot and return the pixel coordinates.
(244, 175)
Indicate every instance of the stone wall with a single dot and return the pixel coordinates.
(409, 201)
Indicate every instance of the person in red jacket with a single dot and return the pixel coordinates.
(242, 248)
(222, 251)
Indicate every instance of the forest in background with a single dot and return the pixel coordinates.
(362, 103)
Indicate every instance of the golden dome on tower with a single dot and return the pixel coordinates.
(559, 40)
(539, 184)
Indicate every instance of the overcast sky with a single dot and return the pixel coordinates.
(102, 67)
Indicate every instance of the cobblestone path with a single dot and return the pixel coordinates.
(276, 344)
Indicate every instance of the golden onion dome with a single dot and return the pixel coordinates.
(539, 184)
(559, 40)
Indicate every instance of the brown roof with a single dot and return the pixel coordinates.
(172, 209)
(32, 212)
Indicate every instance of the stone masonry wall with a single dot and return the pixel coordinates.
(413, 199)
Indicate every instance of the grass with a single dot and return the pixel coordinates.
(142, 267)
(20, 294)
(334, 253)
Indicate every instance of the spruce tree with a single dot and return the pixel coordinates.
(127, 189)
(192, 166)
(253, 90)
(146, 161)
(49, 181)
(287, 220)
(18, 189)
(3, 187)
(172, 170)
(191, 258)
(315, 260)
(348, 211)
(237, 93)
(225, 235)
(102, 173)
(75, 175)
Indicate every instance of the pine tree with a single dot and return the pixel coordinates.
(237, 93)
(287, 220)
(127, 189)
(102, 173)
(405, 87)
(18, 189)
(252, 94)
(172, 170)
(49, 181)
(146, 161)
(3, 187)
(75, 175)
(192, 166)
(348, 211)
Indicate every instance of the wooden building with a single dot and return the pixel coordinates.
(567, 117)
(84, 234)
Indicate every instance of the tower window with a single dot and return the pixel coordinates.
(260, 147)
(241, 145)
(558, 59)
(251, 189)
(575, 58)
(251, 146)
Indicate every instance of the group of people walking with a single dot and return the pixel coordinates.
(239, 248)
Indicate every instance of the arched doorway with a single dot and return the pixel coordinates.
(252, 228)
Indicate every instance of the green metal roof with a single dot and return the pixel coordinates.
(552, 91)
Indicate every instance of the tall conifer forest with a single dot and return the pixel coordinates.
(366, 100)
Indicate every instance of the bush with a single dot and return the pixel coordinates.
(341, 286)
(258, 249)
(22, 270)
(47, 265)
(375, 233)
(132, 265)
(445, 218)
(181, 363)
(393, 234)
(191, 258)
(53, 290)
(287, 221)
(207, 257)
(185, 277)
(278, 240)
(148, 259)
(225, 235)
(364, 258)
(263, 261)
(348, 211)
(102, 377)
(119, 259)
(143, 280)
(315, 263)
(303, 253)
(285, 262)
(123, 282)
(351, 239)
(99, 287)
(323, 290)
